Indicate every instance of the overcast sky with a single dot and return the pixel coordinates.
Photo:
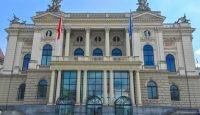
(171, 9)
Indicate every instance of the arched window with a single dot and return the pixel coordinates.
(123, 106)
(26, 61)
(65, 106)
(116, 39)
(42, 89)
(97, 39)
(148, 55)
(152, 90)
(79, 52)
(116, 52)
(79, 39)
(174, 93)
(46, 54)
(97, 52)
(171, 66)
(21, 91)
(147, 33)
(94, 106)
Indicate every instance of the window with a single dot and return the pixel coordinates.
(123, 106)
(148, 55)
(46, 54)
(97, 39)
(116, 52)
(21, 91)
(26, 61)
(171, 66)
(174, 93)
(116, 39)
(79, 39)
(152, 90)
(49, 33)
(68, 86)
(147, 33)
(121, 84)
(79, 52)
(95, 84)
(42, 88)
(94, 106)
(97, 52)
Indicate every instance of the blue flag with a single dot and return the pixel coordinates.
(130, 26)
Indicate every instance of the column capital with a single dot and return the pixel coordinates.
(87, 29)
(107, 29)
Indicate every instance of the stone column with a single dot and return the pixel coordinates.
(136, 44)
(87, 42)
(128, 45)
(67, 42)
(18, 58)
(58, 85)
(51, 92)
(78, 87)
(111, 88)
(138, 89)
(162, 61)
(107, 41)
(132, 89)
(85, 87)
(105, 94)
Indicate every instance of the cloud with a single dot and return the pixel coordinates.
(197, 52)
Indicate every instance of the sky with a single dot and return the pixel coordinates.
(171, 9)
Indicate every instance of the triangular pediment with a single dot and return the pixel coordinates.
(148, 16)
(47, 15)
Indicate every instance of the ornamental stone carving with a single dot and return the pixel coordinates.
(55, 7)
(143, 5)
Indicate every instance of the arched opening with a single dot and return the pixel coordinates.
(175, 95)
(171, 66)
(94, 106)
(42, 89)
(26, 61)
(21, 91)
(79, 52)
(65, 106)
(46, 54)
(123, 106)
(148, 55)
(97, 52)
(116, 52)
(152, 90)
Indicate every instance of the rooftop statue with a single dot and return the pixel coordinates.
(143, 5)
(55, 7)
(183, 20)
(15, 19)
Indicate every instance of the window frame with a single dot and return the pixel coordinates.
(153, 89)
(174, 93)
(21, 91)
(97, 52)
(42, 87)
(79, 52)
(46, 55)
(26, 61)
(116, 52)
(148, 53)
(171, 63)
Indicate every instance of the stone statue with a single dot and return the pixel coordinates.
(15, 19)
(143, 5)
(55, 7)
(183, 20)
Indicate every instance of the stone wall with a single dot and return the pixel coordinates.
(33, 78)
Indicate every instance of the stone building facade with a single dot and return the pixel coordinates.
(95, 68)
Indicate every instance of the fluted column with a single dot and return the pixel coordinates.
(105, 94)
(67, 42)
(107, 42)
(138, 89)
(132, 89)
(78, 87)
(87, 42)
(111, 88)
(128, 45)
(58, 85)
(51, 92)
(85, 87)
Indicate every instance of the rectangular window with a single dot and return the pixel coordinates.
(95, 83)
(121, 84)
(68, 84)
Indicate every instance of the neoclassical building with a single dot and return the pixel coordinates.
(96, 68)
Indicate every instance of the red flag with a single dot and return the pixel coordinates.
(59, 27)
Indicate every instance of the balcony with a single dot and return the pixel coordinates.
(98, 58)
